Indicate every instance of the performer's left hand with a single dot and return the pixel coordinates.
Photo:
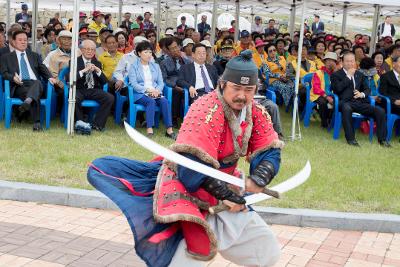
(234, 207)
(252, 187)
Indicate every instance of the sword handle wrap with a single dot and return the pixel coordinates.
(222, 207)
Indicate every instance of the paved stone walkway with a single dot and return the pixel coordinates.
(43, 235)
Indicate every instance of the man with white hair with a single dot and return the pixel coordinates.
(89, 85)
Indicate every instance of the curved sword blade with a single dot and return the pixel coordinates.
(291, 183)
(158, 149)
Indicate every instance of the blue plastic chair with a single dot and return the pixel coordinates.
(121, 99)
(135, 108)
(337, 118)
(269, 89)
(92, 104)
(2, 100)
(390, 117)
(10, 102)
(308, 109)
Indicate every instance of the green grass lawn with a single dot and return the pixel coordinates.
(343, 178)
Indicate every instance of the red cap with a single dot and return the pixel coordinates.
(260, 43)
(82, 14)
(97, 13)
(83, 31)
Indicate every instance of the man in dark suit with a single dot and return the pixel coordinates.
(24, 68)
(317, 26)
(170, 68)
(89, 85)
(390, 86)
(203, 27)
(200, 78)
(351, 87)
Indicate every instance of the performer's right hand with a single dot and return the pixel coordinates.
(234, 207)
(17, 80)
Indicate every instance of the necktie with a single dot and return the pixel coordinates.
(352, 81)
(207, 86)
(24, 68)
(89, 78)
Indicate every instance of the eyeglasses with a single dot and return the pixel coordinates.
(271, 50)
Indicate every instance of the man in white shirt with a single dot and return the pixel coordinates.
(198, 77)
(386, 28)
(257, 26)
(24, 69)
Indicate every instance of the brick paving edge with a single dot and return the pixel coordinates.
(81, 198)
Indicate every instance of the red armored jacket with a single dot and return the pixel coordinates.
(212, 133)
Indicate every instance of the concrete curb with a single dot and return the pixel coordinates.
(297, 217)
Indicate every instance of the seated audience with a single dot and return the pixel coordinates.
(187, 46)
(198, 77)
(123, 45)
(275, 71)
(146, 79)
(24, 69)
(260, 56)
(224, 56)
(394, 52)
(319, 85)
(109, 59)
(368, 68)
(104, 33)
(350, 86)
(381, 66)
(390, 86)
(170, 68)
(89, 85)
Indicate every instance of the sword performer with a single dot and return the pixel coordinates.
(166, 204)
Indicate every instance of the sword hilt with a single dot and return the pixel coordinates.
(222, 207)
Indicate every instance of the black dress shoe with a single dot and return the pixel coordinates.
(353, 143)
(385, 144)
(24, 107)
(37, 127)
(171, 135)
(97, 128)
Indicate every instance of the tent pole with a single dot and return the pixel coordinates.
(8, 16)
(94, 5)
(292, 21)
(374, 29)
(344, 21)
(196, 12)
(34, 24)
(158, 19)
(213, 22)
(252, 16)
(297, 83)
(72, 72)
(237, 30)
(120, 12)
(166, 16)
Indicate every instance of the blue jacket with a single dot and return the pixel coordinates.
(136, 78)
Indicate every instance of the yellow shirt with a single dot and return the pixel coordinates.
(389, 61)
(109, 63)
(94, 26)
